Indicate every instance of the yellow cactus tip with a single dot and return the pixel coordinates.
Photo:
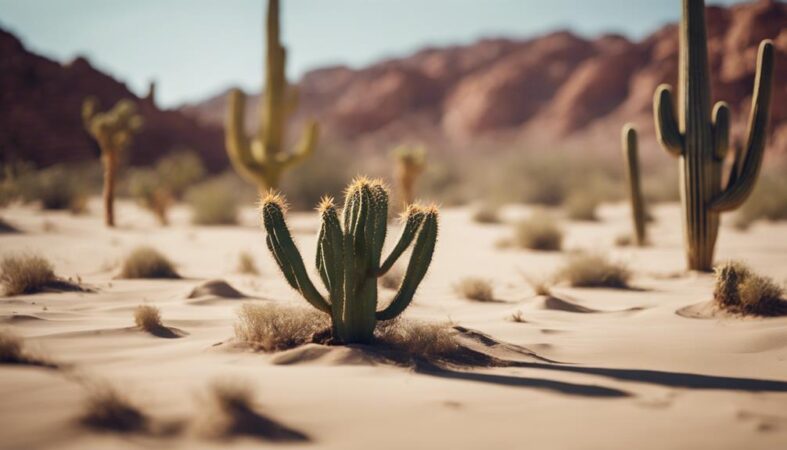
(432, 208)
(326, 203)
(273, 197)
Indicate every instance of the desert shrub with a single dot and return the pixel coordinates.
(150, 192)
(26, 274)
(738, 289)
(213, 202)
(518, 317)
(538, 232)
(57, 187)
(147, 262)
(179, 171)
(540, 286)
(392, 279)
(246, 264)
(486, 213)
(594, 270)
(270, 327)
(420, 340)
(13, 351)
(767, 202)
(106, 409)
(148, 318)
(474, 288)
(581, 206)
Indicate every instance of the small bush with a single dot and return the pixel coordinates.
(56, 187)
(741, 291)
(541, 286)
(147, 262)
(518, 317)
(179, 171)
(13, 351)
(767, 202)
(149, 191)
(213, 203)
(26, 274)
(246, 264)
(580, 206)
(106, 409)
(594, 270)
(148, 318)
(392, 279)
(473, 288)
(420, 340)
(270, 327)
(539, 232)
(486, 214)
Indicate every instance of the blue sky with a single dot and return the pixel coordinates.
(195, 48)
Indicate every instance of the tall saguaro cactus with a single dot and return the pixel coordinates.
(349, 257)
(261, 159)
(631, 159)
(700, 139)
(113, 130)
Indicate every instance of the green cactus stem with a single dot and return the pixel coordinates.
(349, 257)
(113, 130)
(410, 163)
(261, 159)
(631, 159)
(699, 138)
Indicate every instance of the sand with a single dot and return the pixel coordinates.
(627, 371)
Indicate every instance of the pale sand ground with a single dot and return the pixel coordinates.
(700, 388)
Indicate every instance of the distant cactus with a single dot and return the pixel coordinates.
(701, 141)
(349, 257)
(113, 130)
(410, 163)
(631, 159)
(261, 159)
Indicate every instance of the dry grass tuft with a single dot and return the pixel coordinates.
(106, 409)
(13, 351)
(540, 286)
(594, 270)
(148, 318)
(741, 291)
(539, 232)
(392, 279)
(270, 327)
(147, 262)
(30, 273)
(486, 214)
(581, 206)
(246, 264)
(518, 317)
(213, 202)
(420, 340)
(474, 288)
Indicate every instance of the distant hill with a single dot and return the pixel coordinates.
(40, 113)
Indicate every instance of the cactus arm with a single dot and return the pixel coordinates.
(667, 130)
(329, 248)
(379, 221)
(275, 84)
(286, 253)
(742, 185)
(305, 147)
(721, 130)
(413, 219)
(89, 108)
(236, 141)
(416, 270)
(631, 159)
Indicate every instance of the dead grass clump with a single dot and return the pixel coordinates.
(486, 214)
(581, 206)
(57, 188)
(518, 317)
(474, 288)
(148, 318)
(594, 270)
(540, 286)
(420, 340)
(246, 264)
(229, 412)
(213, 202)
(106, 409)
(26, 274)
(539, 232)
(13, 351)
(392, 279)
(741, 291)
(147, 262)
(270, 327)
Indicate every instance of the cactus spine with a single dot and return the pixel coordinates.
(701, 140)
(261, 159)
(631, 158)
(349, 257)
(410, 163)
(113, 130)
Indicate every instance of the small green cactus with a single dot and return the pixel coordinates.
(113, 130)
(410, 163)
(261, 159)
(700, 139)
(631, 159)
(349, 257)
